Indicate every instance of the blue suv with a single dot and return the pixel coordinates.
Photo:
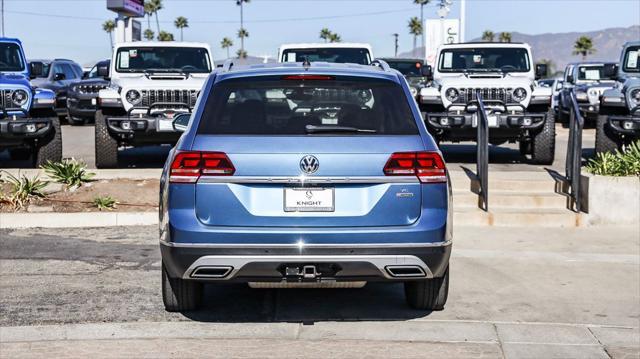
(305, 175)
(29, 127)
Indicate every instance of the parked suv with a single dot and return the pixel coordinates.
(29, 127)
(56, 75)
(619, 117)
(338, 52)
(82, 96)
(588, 81)
(503, 74)
(151, 82)
(413, 71)
(305, 176)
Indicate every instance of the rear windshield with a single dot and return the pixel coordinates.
(340, 55)
(283, 106)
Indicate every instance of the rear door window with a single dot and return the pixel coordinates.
(289, 105)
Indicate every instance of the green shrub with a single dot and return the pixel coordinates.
(22, 190)
(105, 202)
(625, 163)
(69, 172)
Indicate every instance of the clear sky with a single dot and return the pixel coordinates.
(73, 28)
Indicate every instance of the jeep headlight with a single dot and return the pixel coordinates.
(19, 97)
(451, 94)
(634, 96)
(581, 96)
(133, 97)
(519, 94)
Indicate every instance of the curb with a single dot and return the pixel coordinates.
(77, 219)
(124, 173)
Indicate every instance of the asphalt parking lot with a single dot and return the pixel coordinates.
(516, 293)
(78, 142)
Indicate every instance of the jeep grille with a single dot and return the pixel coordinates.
(496, 94)
(89, 89)
(149, 97)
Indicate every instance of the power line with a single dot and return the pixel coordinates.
(327, 17)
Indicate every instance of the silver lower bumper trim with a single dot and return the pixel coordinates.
(238, 262)
(306, 245)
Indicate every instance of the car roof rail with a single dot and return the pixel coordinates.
(381, 64)
(228, 64)
(61, 59)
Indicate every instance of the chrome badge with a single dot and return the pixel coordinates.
(309, 164)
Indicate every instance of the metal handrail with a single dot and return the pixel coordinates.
(573, 162)
(482, 153)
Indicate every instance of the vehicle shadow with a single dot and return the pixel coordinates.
(143, 157)
(466, 153)
(239, 303)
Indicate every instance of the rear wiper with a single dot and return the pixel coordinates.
(320, 129)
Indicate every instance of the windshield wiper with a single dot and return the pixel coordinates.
(321, 129)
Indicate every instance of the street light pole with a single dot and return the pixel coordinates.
(396, 44)
(2, 6)
(463, 10)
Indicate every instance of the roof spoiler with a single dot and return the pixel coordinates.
(381, 64)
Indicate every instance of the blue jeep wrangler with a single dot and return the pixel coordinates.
(29, 127)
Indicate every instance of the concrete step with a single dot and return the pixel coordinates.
(516, 218)
(505, 185)
(510, 199)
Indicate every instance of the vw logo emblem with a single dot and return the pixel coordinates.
(309, 164)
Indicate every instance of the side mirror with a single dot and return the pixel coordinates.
(103, 71)
(570, 79)
(35, 69)
(181, 122)
(541, 71)
(610, 70)
(427, 72)
(85, 74)
(59, 76)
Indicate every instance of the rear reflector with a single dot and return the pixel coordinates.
(427, 166)
(188, 166)
(307, 77)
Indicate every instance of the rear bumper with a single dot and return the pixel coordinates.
(268, 263)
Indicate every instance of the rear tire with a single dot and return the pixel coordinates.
(106, 148)
(428, 294)
(543, 143)
(49, 149)
(180, 295)
(604, 142)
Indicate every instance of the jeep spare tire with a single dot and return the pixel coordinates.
(106, 147)
(543, 143)
(50, 147)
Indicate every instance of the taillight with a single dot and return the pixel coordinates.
(188, 166)
(307, 77)
(427, 166)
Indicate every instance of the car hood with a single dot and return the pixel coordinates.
(13, 80)
(93, 82)
(140, 81)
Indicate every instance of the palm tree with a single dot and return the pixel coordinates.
(109, 26)
(415, 29)
(226, 43)
(149, 34)
(325, 34)
(505, 37)
(149, 9)
(242, 33)
(422, 3)
(156, 5)
(165, 36)
(488, 36)
(334, 37)
(241, 54)
(583, 46)
(241, 3)
(181, 22)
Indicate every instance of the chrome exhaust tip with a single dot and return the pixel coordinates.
(211, 271)
(406, 271)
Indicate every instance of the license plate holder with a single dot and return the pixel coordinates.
(309, 199)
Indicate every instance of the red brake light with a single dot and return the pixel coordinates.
(307, 77)
(188, 166)
(427, 166)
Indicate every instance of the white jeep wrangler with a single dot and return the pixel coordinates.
(151, 82)
(503, 75)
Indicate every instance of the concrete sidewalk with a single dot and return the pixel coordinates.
(415, 338)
